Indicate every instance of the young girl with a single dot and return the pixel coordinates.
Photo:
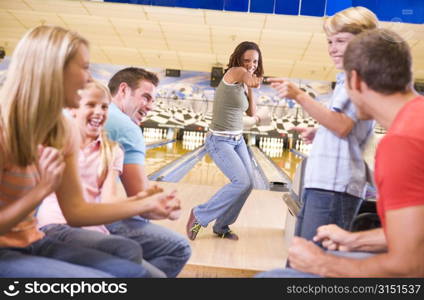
(38, 157)
(100, 163)
(225, 143)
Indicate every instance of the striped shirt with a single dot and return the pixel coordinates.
(15, 183)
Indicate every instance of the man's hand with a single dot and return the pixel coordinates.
(334, 238)
(305, 256)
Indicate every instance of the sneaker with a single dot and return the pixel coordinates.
(192, 227)
(228, 235)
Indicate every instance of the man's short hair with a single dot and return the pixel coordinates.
(131, 76)
(382, 59)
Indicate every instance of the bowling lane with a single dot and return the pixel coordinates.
(205, 172)
(158, 157)
(288, 162)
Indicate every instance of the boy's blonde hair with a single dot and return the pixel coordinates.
(32, 97)
(353, 19)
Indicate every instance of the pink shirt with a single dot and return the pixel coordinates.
(89, 162)
(15, 182)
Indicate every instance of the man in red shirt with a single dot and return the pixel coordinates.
(379, 82)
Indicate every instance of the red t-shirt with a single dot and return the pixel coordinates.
(399, 164)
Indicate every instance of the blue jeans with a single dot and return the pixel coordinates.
(51, 258)
(232, 158)
(322, 207)
(292, 273)
(163, 248)
(109, 243)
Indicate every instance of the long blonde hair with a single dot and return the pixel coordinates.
(108, 150)
(353, 19)
(108, 147)
(32, 97)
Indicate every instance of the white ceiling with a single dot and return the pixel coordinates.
(188, 39)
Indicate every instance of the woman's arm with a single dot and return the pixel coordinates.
(13, 213)
(51, 166)
(78, 212)
(251, 110)
(110, 190)
(241, 75)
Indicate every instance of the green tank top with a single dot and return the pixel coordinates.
(230, 102)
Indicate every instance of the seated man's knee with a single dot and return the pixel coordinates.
(124, 248)
(185, 251)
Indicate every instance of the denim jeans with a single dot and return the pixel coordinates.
(162, 248)
(49, 257)
(232, 158)
(109, 243)
(322, 207)
(293, 273)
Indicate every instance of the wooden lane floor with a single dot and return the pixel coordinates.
(288, 162)
(157, 158)
(205, 172)
(261, 227)
(265, 226)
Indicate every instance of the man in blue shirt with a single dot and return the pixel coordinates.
(133, 94)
